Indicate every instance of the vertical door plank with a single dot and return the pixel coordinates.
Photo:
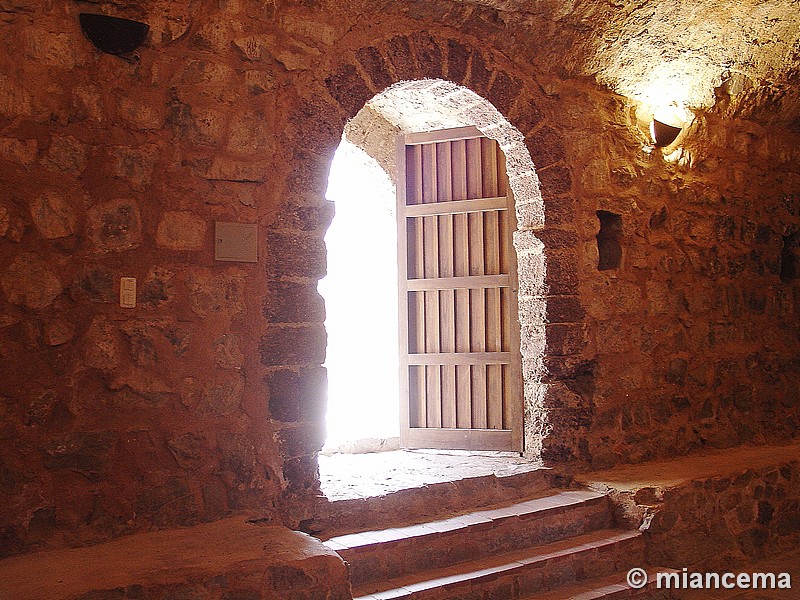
(413, 175)
(502, 175)
(474, 170)
(449, 409)
(433, 399)
(513, 389)
(463, 400)
(494, 321)
(505, 327)
(416, 389)
(494, 391)
(459, 169)
(478, 399)
(444, 172)
(429, 174)
(503, 246)
(489, 167)
(494, 388)
(446, 269)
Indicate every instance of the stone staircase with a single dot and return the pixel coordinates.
(560, 545)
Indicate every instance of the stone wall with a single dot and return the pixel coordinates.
(209, 397)
(726, 520)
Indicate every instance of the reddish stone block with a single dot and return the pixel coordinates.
(301, 440)
(375, 66)
(562, 273)
(560, 211)
(53, 216)
(181, 230)
(291, 302)
(348, 89)
(29, 282)
(429, 56)
(479, 75)
(292, 255)
(564, 339)
(546, 147)
(503, 92)
(565, 309)
(398, 51)
(168, 504)
(555, 181)
(557, 239)
(301, 473)
(89, 453)
(457, 61)
(285, 346)
(306, 217)
(115, 226)
(297, 395)
(526, 116)
(223, 396)
(316, 128)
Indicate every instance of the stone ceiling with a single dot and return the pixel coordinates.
(741, 55)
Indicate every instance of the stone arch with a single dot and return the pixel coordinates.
(554, 315)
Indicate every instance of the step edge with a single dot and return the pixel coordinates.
(615, 536)
(542, 511)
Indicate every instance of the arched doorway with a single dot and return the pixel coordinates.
(422, 107)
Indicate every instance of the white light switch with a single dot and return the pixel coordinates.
(127, 292)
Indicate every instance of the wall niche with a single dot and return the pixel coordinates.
(609, 248)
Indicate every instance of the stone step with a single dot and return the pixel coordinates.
(430, 502)
(610, 587)
(390, 553)
(517, 574)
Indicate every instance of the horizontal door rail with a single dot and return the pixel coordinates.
(442, 135)
(461, 439)
(455, 283)
(460, 358)
(457, 206)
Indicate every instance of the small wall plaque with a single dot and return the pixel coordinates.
(236, 242)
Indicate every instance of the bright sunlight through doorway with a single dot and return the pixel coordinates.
(360, 292)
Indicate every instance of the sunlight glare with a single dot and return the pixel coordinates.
(360, 292)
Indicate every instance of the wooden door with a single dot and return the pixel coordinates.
(460, 366)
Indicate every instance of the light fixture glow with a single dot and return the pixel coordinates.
(663, 134)
(668, 122)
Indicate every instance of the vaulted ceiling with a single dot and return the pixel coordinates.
(735, 56)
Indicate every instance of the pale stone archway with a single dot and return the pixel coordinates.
(434, 104)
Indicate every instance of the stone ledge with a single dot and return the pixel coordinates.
(715, 510)
(230, 556)
(671, 473)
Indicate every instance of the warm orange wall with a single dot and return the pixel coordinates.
(208, 397)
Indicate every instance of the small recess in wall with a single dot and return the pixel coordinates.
(113, 35)
(790, 257)
(236, 242)
(609, 248)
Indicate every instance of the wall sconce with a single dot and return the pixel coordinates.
(667, 124)
(663, 134)
(112, 34)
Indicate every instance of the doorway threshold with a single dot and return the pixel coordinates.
(382, 490)
(346, 476)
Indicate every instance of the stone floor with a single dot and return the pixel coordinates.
(351, 476)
